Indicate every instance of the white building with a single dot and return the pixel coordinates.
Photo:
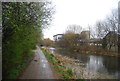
(57, 37)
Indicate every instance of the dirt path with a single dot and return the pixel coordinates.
(39, 68)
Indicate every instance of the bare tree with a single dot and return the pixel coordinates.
(92, 31)
(108, 26)
(112, 20)
(74, 29)
(73, 40)
(100, 29)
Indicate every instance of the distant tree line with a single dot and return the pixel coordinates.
(22, 29)
(104, 32)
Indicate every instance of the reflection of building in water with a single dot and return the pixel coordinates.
(95, 64)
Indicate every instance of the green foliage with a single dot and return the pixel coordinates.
(69, 71)
(66, 76)
(62, 66)
(59, 62)
(22, 30)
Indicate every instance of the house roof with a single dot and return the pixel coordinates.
(57, 34)
(111, 33)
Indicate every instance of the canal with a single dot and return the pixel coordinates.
(102, 64)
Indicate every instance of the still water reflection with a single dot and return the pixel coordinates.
(102, 64)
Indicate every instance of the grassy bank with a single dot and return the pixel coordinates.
(66, 73)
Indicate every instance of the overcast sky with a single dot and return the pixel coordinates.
(80, 12)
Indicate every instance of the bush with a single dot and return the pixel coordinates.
(69, 71)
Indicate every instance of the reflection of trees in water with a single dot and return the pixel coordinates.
(83, 58)
(111, 63)
(95, 64)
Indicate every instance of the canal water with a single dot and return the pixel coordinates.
(102, 64)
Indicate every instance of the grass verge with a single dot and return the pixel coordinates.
(66, 73)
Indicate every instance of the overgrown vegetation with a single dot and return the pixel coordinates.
(66, 73)
(22, 30)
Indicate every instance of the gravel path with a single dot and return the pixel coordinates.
(39, 68)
